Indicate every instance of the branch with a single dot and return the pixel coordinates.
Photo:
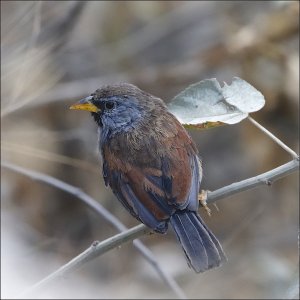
(266, 178)
(131, 234)
(95, 250)
(97, 207)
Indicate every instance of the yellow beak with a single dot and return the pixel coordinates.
(85, 104)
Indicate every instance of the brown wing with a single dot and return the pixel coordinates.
(155, 181)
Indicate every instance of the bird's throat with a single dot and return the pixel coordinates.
(97, 118)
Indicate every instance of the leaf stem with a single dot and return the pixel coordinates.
(274, 138)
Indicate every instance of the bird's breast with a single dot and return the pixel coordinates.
(136, 147)
(154, 139)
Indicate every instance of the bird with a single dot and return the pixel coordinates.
(153, 167)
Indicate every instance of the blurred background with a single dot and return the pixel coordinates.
(55, 52)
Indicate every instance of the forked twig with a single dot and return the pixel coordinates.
(135, 232)
(97, 207)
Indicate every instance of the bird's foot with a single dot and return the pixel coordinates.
(202, 197)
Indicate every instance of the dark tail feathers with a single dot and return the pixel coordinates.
(202, 249)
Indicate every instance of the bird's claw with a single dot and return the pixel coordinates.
(202, 197)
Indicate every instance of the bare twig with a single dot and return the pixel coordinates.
(96, 249)
(274, 138)
(96, 206)
(265, 178)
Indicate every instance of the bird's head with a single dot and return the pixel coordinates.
(119, 107)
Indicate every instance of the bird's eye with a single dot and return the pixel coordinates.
(110, 105)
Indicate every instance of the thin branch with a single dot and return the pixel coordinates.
(96, 249)
(97, 207)
(274, 138)
(266, 178)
